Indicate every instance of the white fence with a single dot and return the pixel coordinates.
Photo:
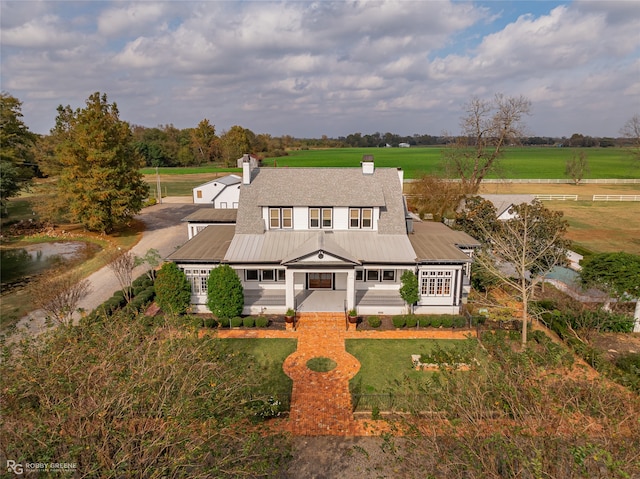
(556, 197)
(616, 197)
(551, 181)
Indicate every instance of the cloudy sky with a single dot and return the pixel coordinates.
(313, 68)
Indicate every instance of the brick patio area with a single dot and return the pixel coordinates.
(321, 402)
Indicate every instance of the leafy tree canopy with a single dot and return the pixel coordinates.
(225, 296)
(173, 290)
(100, 179)
(16, 156)
(409, 288)
(618, 273)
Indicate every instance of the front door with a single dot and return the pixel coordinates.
(320, 280)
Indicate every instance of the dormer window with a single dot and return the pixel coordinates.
(360, 218)
(320, 218)
(280, 218)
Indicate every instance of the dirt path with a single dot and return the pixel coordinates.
(164, 231)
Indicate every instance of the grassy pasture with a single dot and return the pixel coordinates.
(517, 162)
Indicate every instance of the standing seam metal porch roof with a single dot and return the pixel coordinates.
(281, 246)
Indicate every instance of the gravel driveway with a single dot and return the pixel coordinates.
(164, 231)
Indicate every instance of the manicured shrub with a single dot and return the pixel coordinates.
(446, 322)
(225, 296)
(374, 321)
(262, 322)
(141, 283)
(224, 322)
(459, 321)
(424, 321)
(173, 290)
(210, 323)
(399, 321)
(410, 321)
(436, 321)
(236, 322)
(249, 322)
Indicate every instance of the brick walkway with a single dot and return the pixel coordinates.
(321, 402)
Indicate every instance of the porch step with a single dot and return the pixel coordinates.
(321, 321)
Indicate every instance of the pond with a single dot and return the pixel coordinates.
(17, 265)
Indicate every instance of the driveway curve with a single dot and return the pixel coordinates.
(164, 231)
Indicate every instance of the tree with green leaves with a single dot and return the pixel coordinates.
(100, 181)
(409, 288)
(173, 290)
(520, 251)
(16, 142)
(225, 296)
(235, 143)
(488, 127)
(618, 274)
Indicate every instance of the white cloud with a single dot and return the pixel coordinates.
(285, 67)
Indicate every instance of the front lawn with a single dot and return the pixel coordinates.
(268, 356)
(384, 363)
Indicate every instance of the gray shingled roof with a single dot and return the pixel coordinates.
(208, 246)
(322, 187)
(212, 215)
(436, 242)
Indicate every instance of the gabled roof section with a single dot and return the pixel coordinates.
(320, 244)
(329, 187)
(435, 242)
(227, 180)
(503, 202)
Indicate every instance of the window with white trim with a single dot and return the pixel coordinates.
(280, 218)
(314, 217)
(320, 218)
(436, 283)
(373, 275)
(251, 275)
(327, 217)
(388, 275)
(198, 279)
(360, 218)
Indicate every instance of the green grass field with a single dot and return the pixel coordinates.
(517, 162)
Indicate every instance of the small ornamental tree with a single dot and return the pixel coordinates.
(173, 290)
(409, 288)
(225, 296)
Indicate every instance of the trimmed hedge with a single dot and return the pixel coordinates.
(374, 321)
(410, 321)
(236, 322)
(262, 322)
(248, 322)
(399, 321)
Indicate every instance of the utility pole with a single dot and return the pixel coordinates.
(159, 191)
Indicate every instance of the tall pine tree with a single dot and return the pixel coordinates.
(100, 180)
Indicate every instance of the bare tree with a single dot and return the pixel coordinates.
(59, 296)
(631, 130)
(487, 128)
(522, 250)
(577, 167)
(435, 196)
(122, 264)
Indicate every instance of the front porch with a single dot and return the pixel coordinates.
(269, 301)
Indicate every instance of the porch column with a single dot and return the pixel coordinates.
(289, 285)
(351, 289)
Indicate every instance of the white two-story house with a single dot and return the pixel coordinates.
(329, 239)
